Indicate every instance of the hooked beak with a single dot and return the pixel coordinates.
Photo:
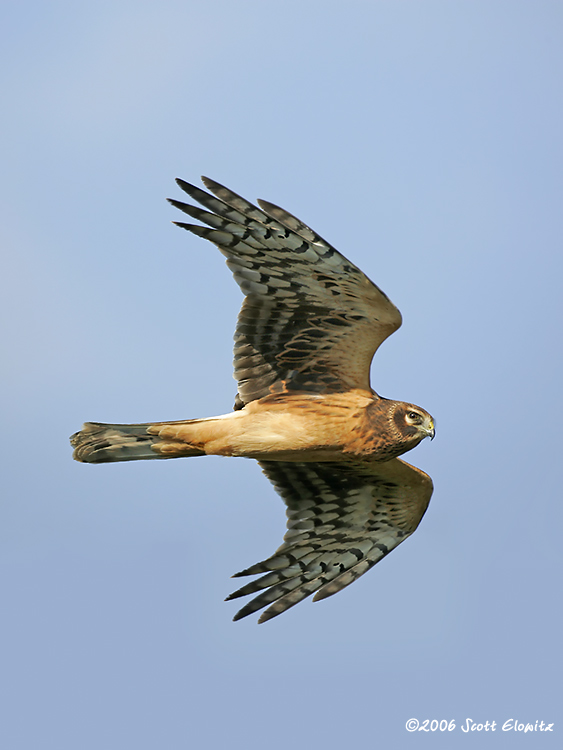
(431, 431)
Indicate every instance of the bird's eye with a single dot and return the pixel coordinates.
(414, 416)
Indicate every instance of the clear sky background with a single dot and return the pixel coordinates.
(423, 139)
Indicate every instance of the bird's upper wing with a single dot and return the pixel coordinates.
(342, 519)
(311, 320)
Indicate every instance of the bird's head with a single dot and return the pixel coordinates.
(396, 427)
(412, 423)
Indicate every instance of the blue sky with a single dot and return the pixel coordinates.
(421, 138)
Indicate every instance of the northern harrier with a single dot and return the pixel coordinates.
(309, 326)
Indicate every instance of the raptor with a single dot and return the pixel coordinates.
(307, 331)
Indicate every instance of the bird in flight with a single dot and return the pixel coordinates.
(307, 331)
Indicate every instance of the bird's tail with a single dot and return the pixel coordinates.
(100, 443)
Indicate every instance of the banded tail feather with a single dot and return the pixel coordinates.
(99, 443)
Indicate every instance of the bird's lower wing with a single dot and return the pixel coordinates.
(343, 518)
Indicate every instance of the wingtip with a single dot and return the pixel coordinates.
(176, 203)
(216, 187)
(192, 190)
(264, 617)
(240, 574)
(267, 615)
(194, 228)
